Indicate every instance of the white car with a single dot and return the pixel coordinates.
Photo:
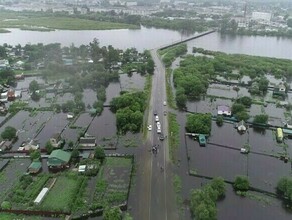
(164, 103)
(149, 127)
(156, 118)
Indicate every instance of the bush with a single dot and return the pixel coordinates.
(219, 120)
(284, 188)
(241, 183)
(6, 205)
(261, 119)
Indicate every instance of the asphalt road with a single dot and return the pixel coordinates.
(161, 201)
(153, 197)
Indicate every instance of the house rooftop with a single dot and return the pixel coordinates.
(60, 154)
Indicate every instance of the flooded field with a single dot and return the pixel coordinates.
(54, 126)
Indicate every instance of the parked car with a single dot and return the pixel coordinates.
(149, 127)
(164, 103)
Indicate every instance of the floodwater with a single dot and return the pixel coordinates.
(251, 45)
(149, 38)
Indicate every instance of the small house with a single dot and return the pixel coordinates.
(224, 110)
(280, 91)
(56, 140)
(87, 141)
(5, 145)
(241, 127)
(32, 145)
(59, 159)
(35, 167)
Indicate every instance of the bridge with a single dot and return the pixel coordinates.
(186, 40)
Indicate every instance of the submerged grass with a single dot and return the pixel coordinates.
(173, 135)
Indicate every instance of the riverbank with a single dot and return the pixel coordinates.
(63, 23)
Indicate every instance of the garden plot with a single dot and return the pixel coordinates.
(207, 105)
(25, 191)
(113, 184)
(10, 174)
(62, 196)
(134, 82)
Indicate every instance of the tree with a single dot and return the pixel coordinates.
(49, 147)
(236, 107)
(219, 185)
(35, 154)
(75, 155)
(34, 86)
(261, 119)
(241, 183)
(245, 100)
(99, 153)
(284, 188)
(199, 123)
(9, 133)
(113, 213)
(242, 116)
(263, 84)
(219, 120)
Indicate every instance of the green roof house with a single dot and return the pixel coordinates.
(59, 159)
(35, 167)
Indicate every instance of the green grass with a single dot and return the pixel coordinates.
(61, 196)
(169, 92)
(118, 162)
(64, 23)
(8, 216)
(173, 136)
(177, 184)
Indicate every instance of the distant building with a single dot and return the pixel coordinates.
(224, 110)
(4, 64)
(261, 16)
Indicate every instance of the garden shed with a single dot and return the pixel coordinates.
(35, 167)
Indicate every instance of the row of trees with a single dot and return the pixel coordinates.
(129, 109)
(170, 54)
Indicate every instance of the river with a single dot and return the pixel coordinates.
(148, 38)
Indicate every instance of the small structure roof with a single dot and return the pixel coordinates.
(36, 165)
(202, 139)
(61, 155)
